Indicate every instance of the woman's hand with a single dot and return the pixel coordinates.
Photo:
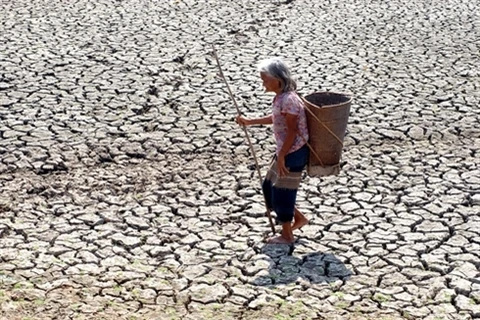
(243, 121)
(251, 122)
(281, 169)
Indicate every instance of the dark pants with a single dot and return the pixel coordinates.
(282, 200)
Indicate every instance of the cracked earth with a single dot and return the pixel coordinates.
(128, 192)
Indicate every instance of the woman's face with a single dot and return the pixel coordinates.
(271, 84)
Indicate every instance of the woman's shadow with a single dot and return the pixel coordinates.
(285, 267)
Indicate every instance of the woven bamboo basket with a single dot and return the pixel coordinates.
(327, 117)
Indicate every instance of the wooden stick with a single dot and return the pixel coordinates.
(246, 134)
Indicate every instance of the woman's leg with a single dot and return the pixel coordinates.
(284, 195)
(287, 235)
(297, 162)
(300, 220)
(284, 206)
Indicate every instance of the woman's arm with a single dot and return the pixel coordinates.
(291, 121)
(250, 122)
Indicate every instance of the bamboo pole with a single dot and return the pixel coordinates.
(246, 134)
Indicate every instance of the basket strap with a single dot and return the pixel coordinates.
(306, 141)
(311, 149)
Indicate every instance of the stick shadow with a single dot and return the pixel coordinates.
(286, 267)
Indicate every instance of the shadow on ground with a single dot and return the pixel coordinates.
(286, 267)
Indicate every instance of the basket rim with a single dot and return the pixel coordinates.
(348, 95)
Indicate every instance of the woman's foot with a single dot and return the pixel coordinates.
(298, 224)
(280, 240)
(300, 220)
(286, 237)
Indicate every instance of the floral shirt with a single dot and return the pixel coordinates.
(289, 102)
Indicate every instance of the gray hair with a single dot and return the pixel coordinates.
(277, 69)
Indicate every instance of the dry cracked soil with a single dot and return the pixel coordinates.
(127, 191)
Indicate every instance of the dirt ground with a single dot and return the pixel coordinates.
(127, 191)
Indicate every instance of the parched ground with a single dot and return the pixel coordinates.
(128, 192)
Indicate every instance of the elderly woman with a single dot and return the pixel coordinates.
(291, 134)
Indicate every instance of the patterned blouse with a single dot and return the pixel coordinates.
(289, 102)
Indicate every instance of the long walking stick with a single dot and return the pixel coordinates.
(246, 134)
